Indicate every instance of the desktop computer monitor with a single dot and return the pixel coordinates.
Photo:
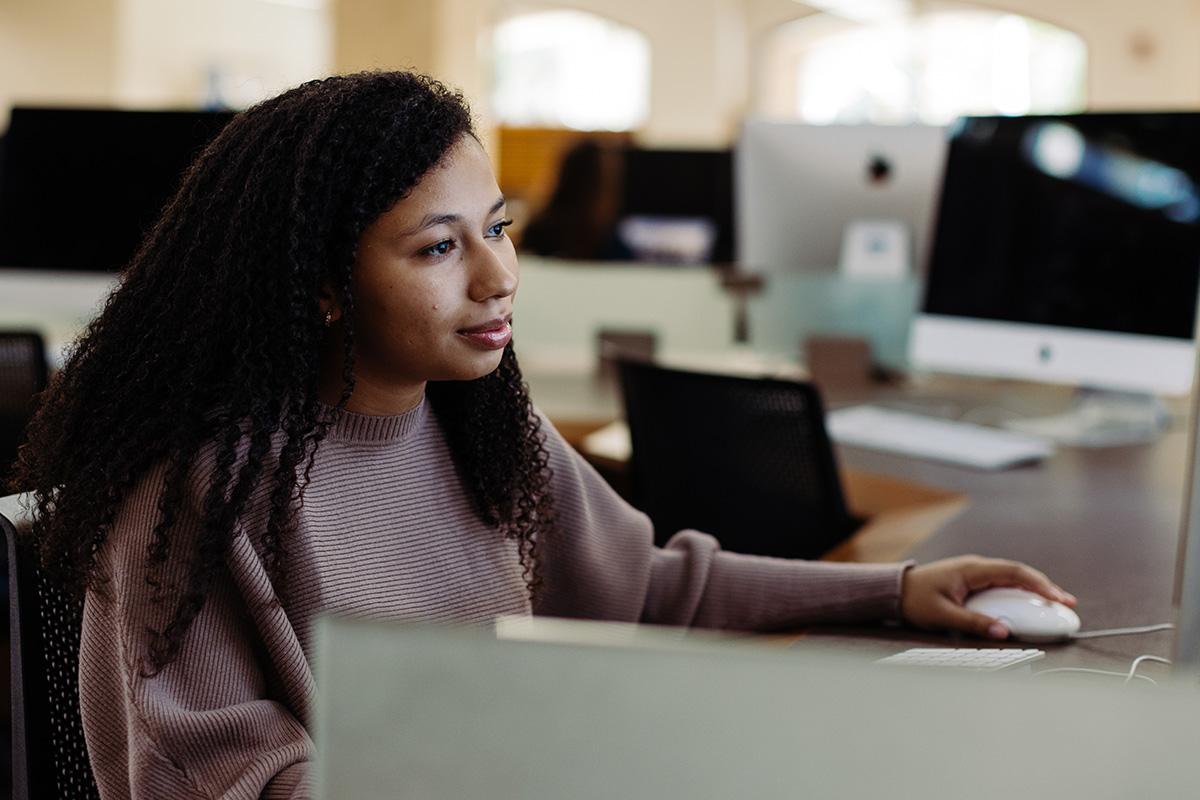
(80, 187)
(799, 187)
(1067, 250)
(680, 187)
(1186, 656)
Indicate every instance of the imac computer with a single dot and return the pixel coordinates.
(685, 187)
(79, 189)
(1186, 656)
(1067, 250)
(800, 190)
(81, 186)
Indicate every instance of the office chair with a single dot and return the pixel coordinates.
(23, 375)
(744, 459)
(49, 754)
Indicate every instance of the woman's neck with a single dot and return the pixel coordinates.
(372, 396)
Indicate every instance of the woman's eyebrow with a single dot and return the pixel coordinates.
(431, 220)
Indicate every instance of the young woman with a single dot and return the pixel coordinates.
(303, 397)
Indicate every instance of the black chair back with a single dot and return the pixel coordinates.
(49, 754)
(744, 459)
(23, 375)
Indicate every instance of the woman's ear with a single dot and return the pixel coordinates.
(331, 307)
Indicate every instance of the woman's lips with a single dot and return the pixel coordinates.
(491, 335)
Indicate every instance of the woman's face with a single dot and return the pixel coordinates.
(434, 280)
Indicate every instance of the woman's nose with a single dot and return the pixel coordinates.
(493, 275)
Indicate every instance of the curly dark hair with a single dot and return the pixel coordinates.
(213, 340)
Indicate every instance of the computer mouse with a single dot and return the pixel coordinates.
(1029, 616)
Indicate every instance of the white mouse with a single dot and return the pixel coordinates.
(1029, 616)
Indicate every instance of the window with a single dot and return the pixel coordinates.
(927, 68)
(570, 69)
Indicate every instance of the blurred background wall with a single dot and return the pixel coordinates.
(706, 63)
(657, 72)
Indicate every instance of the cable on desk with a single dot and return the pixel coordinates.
(1165, 626)
(988, 412)
(1137, 661)
(1128, 676)
(1110, 673)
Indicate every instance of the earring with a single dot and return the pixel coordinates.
(328, 318)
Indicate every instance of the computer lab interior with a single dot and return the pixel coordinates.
(962, 238)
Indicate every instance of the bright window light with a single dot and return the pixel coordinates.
(926, 68)
(570, 69)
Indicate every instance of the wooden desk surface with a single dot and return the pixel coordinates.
(1103, 523)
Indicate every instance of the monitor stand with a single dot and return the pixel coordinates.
(1101, 418)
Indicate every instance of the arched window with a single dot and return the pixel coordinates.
(928, 68)
(570, 69)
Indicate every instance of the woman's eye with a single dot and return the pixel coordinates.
(498, 228)
(439, 249)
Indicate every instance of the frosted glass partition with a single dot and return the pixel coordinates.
(794, 306)
(427, 712)
(561, 305)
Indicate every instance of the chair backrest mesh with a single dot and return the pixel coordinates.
(47, 623)
(747, 460)
(62, 621)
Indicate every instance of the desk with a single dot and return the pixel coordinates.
(1103, 523)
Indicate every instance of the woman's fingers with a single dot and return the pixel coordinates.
(998, 572)
(934, 595)
(982, 625)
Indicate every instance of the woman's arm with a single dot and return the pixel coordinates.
(601, 563)
(211, 723)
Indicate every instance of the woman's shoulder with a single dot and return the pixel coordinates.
(552, 437)
(161, 490)
(571, 473)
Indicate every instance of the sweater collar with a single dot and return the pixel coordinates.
(352, 427)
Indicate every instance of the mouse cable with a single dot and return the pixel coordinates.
(1165, 626)
(1110, 673)
(1137, 661)
(1128, 676)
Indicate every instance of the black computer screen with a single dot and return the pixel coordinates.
(1085, 221)
(683, 183)
(80, 187)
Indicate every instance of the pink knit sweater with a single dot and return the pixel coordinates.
(387, 531)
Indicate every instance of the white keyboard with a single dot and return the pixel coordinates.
(984, 660)
(937, 439)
